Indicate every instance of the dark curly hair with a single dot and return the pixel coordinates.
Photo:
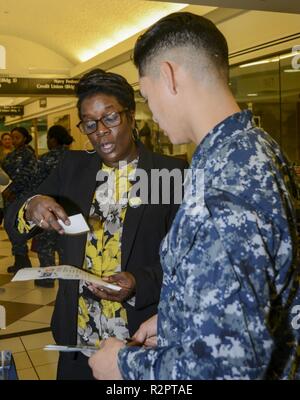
(60, 134)
(23, 132)
(98, 81)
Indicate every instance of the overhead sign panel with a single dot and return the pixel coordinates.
(43, 87)
(11, 110)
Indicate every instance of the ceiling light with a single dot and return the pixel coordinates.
(252, 94)
(291, 70)
(254, 63)
(294, 53)
(269, 60)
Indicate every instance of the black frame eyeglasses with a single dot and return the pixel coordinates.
(110, 120)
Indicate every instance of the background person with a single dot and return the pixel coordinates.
(123, 243)
(21, 166)
(45, 244)
(145, 135)
(6, 145)
(230, 268)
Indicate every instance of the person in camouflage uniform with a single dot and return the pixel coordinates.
(21, 166)
(58, 142)
(230, 258)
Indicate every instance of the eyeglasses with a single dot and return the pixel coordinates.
(110, 120)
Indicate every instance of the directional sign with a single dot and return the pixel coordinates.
(43, 87)
(11, 110)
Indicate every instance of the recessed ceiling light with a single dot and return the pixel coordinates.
(269, 60)
(291, 70)
(254, 63)
(252, 94)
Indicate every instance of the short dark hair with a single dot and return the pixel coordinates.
(23, 132)
(182, 29)
(109, 83)
(60, 134)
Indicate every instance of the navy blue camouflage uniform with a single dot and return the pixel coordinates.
(229, 267)
(46, 242)
(21, 166)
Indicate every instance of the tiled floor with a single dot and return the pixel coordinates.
(28, 313)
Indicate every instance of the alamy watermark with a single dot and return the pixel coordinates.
(157, 186)
(296, 58)
(296, 319)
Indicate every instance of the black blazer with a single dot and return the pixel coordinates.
(73, 183)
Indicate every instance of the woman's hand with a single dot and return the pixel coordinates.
(123, 279)
(45, 211)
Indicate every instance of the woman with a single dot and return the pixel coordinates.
(123, 242)
(58, 142)
(6, 145)
(21, 166)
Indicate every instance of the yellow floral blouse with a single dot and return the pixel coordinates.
(100, 319)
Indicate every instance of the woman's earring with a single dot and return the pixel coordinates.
(86, 150)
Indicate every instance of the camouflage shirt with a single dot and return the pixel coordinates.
(21, 166)
(47, 162)
(228, 262)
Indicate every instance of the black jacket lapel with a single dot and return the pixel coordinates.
(134, 215)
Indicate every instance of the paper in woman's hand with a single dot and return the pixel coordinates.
(61, 272)
(78, 225)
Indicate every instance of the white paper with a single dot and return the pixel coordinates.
(78, 225)
(61, 272)
(55, 347)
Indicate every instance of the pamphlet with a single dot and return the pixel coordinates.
(86, 348)
(55, 347)
(61, 272)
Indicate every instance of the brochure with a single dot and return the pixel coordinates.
(61, 272)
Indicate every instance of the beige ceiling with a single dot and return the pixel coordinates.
(78, 29)
(88, 33)
(288, 6)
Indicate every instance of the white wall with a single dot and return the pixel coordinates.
(23, 54)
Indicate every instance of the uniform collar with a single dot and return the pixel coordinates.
(221, 133)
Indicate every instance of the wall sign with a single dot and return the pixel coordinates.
(43, 102)
(30, 86)
(11, 110)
